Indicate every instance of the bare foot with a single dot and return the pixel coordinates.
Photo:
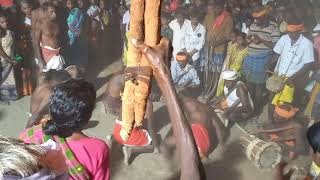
(156, 151)
(127, 154)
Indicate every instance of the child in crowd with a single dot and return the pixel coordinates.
(104, 14)
(194, 39)
(24, 49)
(178, 25)
(231, 44)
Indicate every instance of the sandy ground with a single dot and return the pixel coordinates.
(230, 164)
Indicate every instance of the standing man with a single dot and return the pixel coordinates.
(217, 39)
(178, 26)
(295, 56)
(263, 34)
(194, 40)
(45, 38)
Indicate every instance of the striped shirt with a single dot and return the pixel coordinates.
(269, 33)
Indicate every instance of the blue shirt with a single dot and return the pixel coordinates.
(190, 76)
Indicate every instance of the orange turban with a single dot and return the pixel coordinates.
(287, 114)
(295, 28)
(181, 57)
(262, 12)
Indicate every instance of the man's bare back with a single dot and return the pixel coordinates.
(45, 30)
(40, 97)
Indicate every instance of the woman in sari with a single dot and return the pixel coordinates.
(8, 89)
(78, 52)
(70, 109)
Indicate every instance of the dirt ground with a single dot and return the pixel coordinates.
(230, 164)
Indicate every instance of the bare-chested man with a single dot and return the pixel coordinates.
(45, 38)
(203, 120)
(40, 97)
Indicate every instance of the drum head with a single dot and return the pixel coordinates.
(270, 157)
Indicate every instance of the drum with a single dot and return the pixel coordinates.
(265, 155)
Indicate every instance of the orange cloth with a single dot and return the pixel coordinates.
(201, 136)
(262, 13)
(218, 22)
(138, 136)
(286, 113)
(295, 28)
(181, 57)
(49, 53)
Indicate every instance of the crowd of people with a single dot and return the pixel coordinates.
(229, 60)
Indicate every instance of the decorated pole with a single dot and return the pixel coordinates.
(144, 26)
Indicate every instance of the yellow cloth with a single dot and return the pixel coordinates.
(233, 61)
(315, 168)
(313, 97)
(285, 96)
(236, 58)
(125, 51)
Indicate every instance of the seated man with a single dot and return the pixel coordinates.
(236, 102)
(204, 124)
(184, 75)
(286, 130)
(40, 97)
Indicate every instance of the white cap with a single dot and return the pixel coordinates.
(229, 75)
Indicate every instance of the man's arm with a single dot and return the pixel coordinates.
(36, 39)
(273, 59)
(242, 93)
(191, 166)
(292, 81)
(41, 110)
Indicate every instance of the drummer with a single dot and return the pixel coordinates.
(236, 103)
(285, 130)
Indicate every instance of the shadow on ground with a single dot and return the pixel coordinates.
(223, 168)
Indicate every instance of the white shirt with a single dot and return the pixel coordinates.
(244, 28)
(178, 36)
(126, 20)
(293, 58)
(27, 21)
(194, 39)
(264, 2)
